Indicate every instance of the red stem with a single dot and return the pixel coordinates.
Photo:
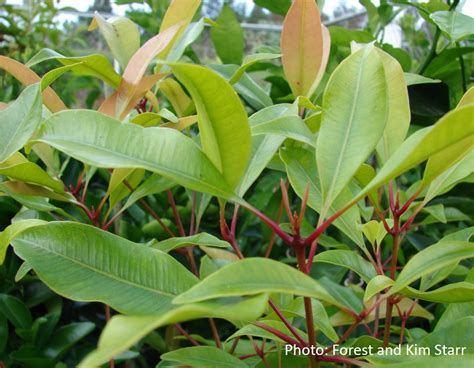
(286, 322)
(288, 239)
(278, 334)
(186, 335)
(271, 242)
(193, 215)
(177, 217)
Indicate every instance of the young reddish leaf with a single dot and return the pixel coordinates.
(305, 47)
(133, 86)
(26, 76)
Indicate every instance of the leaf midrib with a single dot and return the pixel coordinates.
(346, 138)
(111, 276)
(146, 164)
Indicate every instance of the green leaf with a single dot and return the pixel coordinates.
(152, 185)
(279, 7)
(441, 161)
(117, 189)
(305, 45)
(454, 128)
(228, 37)
(121, 34)
(346, 297)
(376, 285)
(287, 126)
(191, 34)
(348, 259)
(257, 331)
(22, 271)
(222, 120)
(398, 119)
(456, 25)
(19, 168)
(252, 276)
(412, 79)
(99, 140)
(431, 259)
(201, 239)
(15, 311)
(460, 333)
(450, 177)
(302, 170)
(95, 65)
(124, 331)
(66, 337)
(19, 121)
(436, 211)
(467, 98)
(54, 74)
(375, 232)
(248, 61)
(204, 356)
(458, 292)
(264, 147)
(353, 120)
(246, 87)
(83, 263)
(463, 235)
(12, 231)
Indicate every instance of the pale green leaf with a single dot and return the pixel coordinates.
(252, 276)
(398, 119)
(458, 292)
(431, 259)
(451, 176)
(376, 285)
(456, 25)
(124, 331)
(248, 61)
(19, 168)
(12, 231)
(454, 128)
(84, 263)
(264, 147)
(95, 65)
(350, 260)
(19, 121)
(204, 356)
(121, 34)
(257, 331)
(287, 126)
(354, 117)
(412, 79)
(101, 141)
(201, 239)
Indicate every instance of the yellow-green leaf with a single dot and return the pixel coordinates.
(222, 120)
(398, 119)
(354, 117)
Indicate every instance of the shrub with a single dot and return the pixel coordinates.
(260, 228)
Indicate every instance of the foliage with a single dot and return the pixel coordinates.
(208, 215)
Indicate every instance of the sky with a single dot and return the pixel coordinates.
(329, 6)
